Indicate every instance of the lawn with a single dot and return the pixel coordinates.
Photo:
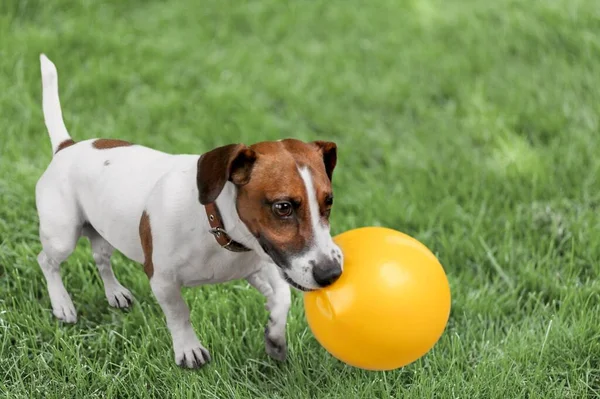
(470, 125)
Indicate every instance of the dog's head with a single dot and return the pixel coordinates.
(284, 197)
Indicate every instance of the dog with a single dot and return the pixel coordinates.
(258, 212)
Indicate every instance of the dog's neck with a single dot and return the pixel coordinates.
(224, 210)
(218, 230)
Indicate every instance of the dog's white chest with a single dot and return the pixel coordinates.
(210, 267)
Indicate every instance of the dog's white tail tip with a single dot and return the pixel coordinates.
(48, 70)
(51, 103)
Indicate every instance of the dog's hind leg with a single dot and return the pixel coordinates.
(117, 295)
(58, 237)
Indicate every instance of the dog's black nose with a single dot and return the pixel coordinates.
(327, 272)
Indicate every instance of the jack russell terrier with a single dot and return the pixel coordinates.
(256, 212)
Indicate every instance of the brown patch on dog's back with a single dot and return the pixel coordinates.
(64, 144)
(105, 144)
(146, 240)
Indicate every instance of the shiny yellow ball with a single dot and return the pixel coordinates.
(389, 307)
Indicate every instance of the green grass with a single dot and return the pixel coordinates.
(471, 125)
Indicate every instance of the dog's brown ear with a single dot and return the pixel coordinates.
(329, 151)
(232, 162)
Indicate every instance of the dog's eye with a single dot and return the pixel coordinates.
(329, 200)
(283, 209)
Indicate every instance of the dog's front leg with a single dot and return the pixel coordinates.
(277, 292)
(189, 352)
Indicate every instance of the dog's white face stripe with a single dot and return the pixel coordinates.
(321, 245)
(321, 238)
(323, 242)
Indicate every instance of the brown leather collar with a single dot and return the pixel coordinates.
(218, 230)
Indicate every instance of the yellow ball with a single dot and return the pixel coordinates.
(390, 305)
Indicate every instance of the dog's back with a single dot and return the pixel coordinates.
(105, 188)
(101, 183)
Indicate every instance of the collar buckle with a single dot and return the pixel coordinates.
(218, 230)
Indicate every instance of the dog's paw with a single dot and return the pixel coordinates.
(119, 297)
(275, 346)
(192, 357)
(64, 310)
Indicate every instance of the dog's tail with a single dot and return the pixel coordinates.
(51, 105)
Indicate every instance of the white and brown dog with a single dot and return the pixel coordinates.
(256, 212)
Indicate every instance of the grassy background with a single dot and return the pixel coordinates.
(470, 125)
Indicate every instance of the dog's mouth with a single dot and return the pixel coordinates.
(294, 284)
(282, 264)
